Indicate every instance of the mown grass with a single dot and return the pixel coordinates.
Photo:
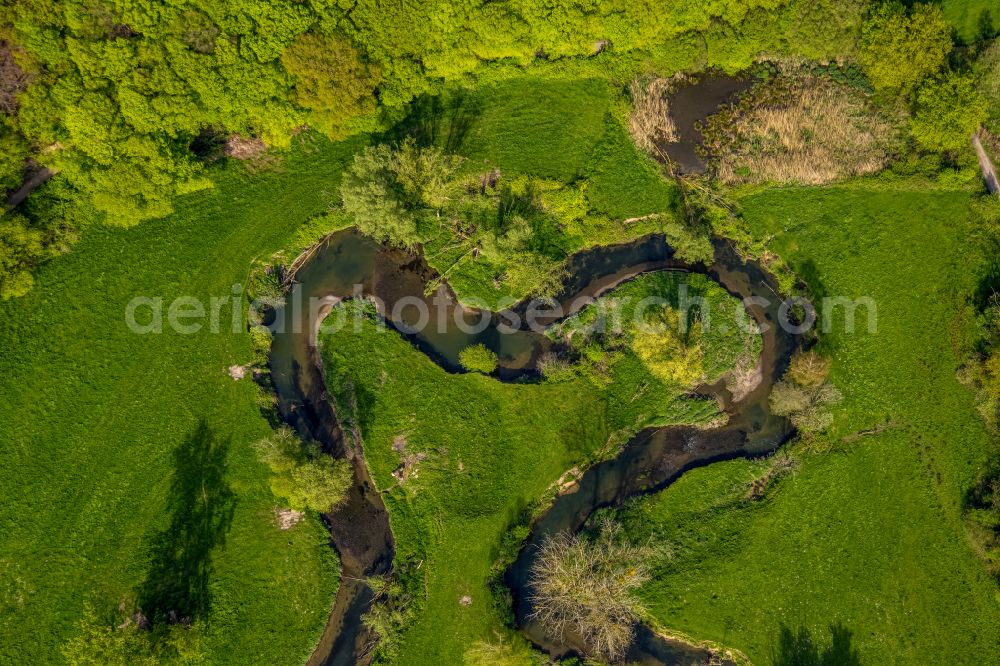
(480, 452)
(93, 413)
(868, 531)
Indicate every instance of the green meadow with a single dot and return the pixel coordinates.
(866, 533)
(94, 413)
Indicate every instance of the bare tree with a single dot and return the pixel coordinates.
(584, 587)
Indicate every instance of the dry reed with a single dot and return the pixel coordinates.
(817, 132)
(650, 123)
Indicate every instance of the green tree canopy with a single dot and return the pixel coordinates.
(306, 477)
(948, 110)
(331, 80)
(899, 48)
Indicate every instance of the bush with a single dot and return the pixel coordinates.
(555, 369)
(982, 507)
(306, 477)
(477, 358)
(988, 79)
(129, 641)
(690, 246)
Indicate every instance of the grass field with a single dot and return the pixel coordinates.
(93, 414)
(867, 533)
(967, 16)
(479, 452)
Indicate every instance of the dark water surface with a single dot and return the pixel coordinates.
(690, 105)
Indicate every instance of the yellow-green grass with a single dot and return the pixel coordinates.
(868, 532)
(92, 414)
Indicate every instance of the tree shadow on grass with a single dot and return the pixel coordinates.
(441, 120)
(201, 506)
(800, 649)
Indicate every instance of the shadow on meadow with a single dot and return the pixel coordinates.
(201, 506)
(800, 649)
(439, 120)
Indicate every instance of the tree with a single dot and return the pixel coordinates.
(331, 80)
(426, 175)
(948, 111)
(586, 587)
(804, 395)
(22, 247)
(388, 190)
(306, 477)
(14, 151)
(374, 198)
(898, 50)
(809, 368)
(477, 358)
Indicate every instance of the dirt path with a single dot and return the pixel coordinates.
(989, 172)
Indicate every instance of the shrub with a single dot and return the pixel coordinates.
(129, 641)
(982, 507)
(586, 587)
(502, 653)
(555, 369)
(948, 110)
(306, 477)
(690, 246)
(988, 79)
(477, 358)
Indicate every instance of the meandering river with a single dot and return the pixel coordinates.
(650, 461)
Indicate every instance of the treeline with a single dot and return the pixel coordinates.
(119, 91)
(128, 101)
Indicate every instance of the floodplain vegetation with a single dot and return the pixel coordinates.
(153, 514)
(463, 460)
